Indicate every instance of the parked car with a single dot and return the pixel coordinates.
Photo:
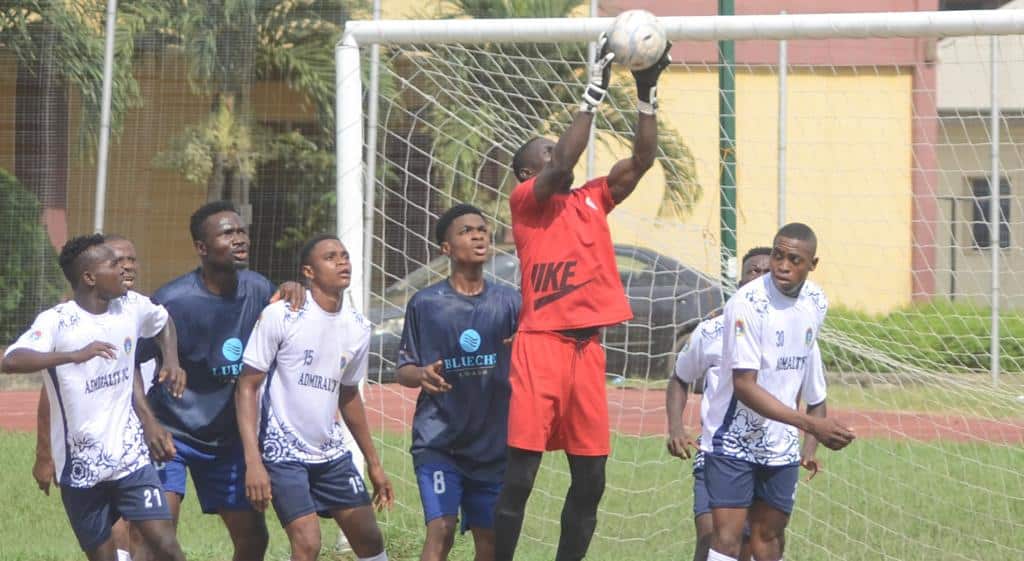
(668, 299)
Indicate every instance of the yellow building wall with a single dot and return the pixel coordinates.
(848, 177)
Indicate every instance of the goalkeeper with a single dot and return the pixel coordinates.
(571, 289)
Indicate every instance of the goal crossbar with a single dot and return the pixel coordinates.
(696, 28)
(351, 185)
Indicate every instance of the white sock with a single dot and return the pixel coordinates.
(382, 556)
(123, 555)
(716, 556)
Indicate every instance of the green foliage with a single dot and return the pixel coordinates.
(70, 34)
(937, 337)
(223, 134)
(312, 199)
(473, 135)
(29, 274)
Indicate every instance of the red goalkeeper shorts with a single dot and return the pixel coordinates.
(559, 401)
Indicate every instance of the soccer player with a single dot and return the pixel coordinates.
(43, 471)
(101, 434)
(455, 348)
(702, 357)
(307, 364)
(571, 289)
(750, 438)
(214, 308)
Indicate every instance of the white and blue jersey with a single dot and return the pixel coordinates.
(308, 356)
(468, 425)
(212, 333)
(776, 335)
(702, 355)
(95, 434)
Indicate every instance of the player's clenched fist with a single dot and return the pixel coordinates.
(93, 350)
(432, 378)
(830, 433)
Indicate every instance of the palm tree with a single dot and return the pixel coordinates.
(229, 45)
(59, 47)
(527, 89)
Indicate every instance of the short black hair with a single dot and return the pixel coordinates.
(520, 154)
(307, 248)
(449, 216)
(70, 256)
(799, 231)
(195, 224)
(756, 251)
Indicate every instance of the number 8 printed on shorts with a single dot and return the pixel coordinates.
(439, 482)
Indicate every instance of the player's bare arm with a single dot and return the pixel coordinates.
(352, 412)
(257, 480)
(171, 372)
(679, 442)
(809, 449)
(25, 361)
(43, 471)
(556, 176)
(430, 377)
(159, 441)
(626, 174)
(828, 431)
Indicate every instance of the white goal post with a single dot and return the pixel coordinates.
(349, 121)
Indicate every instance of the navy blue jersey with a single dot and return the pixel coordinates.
(467, 425)
(212, 333)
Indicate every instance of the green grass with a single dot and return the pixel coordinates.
(878, 499)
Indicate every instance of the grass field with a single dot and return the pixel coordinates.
(879, 499)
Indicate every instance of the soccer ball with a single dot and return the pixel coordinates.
(636, 39)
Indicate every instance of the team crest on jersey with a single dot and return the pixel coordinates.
(345, 357)
(808, 337)
(127, 345)
(232, 349)
(470, 340)
(35, 335)
(741, 328)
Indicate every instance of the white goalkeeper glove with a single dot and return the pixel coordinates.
(647, 82)
(600, 76)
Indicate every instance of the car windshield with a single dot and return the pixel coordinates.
(501, 267)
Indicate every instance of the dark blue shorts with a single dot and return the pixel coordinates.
(92, 511)
(443, 490)
(701, 501)
(219, 478)
(733, 483)
(300, 489)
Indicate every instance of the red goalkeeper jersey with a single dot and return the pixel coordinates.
(567, 259)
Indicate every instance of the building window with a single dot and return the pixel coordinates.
(980, 216)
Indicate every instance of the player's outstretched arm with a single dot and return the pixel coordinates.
(43, 471)
(626, 173)
(354, 414)
(557, 174)
(828, 431)
(171, 372)
(257, 480)
(679, 443)
(26, 361)
(809, 449)
(159, 441)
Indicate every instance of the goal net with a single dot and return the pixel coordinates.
(887, 154)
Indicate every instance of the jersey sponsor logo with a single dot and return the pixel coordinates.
(741, 328)
(127, 345)
(554, 276)
(318, 382)
(469, 340)
(808, 337)
(106, 380)
(232, 348)
(790, 363)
